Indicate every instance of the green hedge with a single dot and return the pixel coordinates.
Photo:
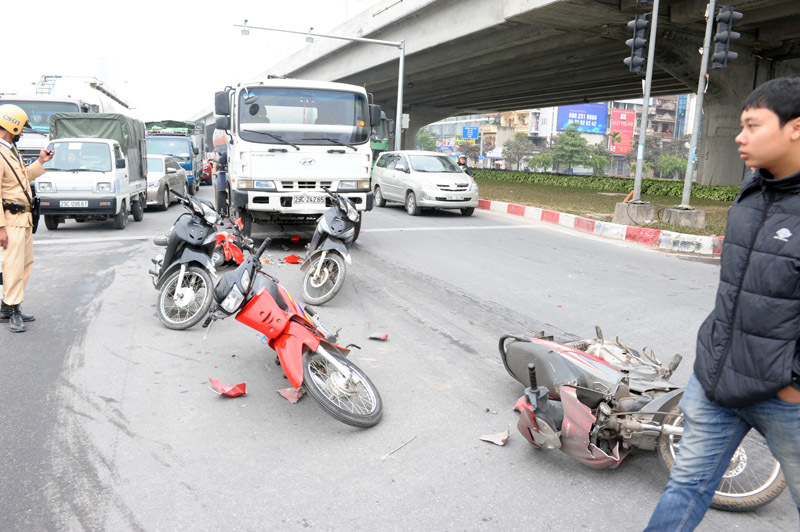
(656, 187)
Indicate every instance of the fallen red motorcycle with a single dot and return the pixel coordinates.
(306, 351)
(597, 400)
(227, 251)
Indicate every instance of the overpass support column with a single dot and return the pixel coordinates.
(420, 117)
(718, 161)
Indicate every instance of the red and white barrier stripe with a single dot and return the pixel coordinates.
(645, 236)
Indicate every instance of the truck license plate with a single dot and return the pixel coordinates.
(73, 203)
(309, 199)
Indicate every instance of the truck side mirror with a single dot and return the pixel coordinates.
(222, 105)
(196, 151)
(222, 123)
(374, 115)
(120, 163)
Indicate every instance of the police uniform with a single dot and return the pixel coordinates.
(17, 257)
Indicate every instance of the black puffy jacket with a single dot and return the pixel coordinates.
(747, 349)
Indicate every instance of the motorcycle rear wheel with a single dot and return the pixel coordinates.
(753, 479)
(198, 298)
(354, 404)
(321, 288)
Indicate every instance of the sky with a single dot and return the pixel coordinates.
(168, 57)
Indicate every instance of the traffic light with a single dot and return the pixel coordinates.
(638, 44)
(724, 37)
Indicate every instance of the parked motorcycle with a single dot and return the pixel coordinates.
(205, 172)
(306, 351)
(324, 266)
(596, 400)
(185, 273)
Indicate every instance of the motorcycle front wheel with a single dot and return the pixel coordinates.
(354, 401)
(753, 478)
(321, 286)
(182, 307)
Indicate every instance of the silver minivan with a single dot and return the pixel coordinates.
(423, 179)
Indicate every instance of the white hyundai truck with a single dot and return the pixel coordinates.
(286, 141)
(98, 171)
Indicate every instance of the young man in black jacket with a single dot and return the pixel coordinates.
(748, 350)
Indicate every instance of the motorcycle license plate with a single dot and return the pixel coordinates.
(73, 203)
(309, 199)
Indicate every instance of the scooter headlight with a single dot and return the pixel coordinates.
(210, 214)
(352, 213)
(233, 300)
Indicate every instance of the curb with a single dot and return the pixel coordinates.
(644, 236)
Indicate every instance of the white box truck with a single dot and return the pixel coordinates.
(286, 141)
(98, 172)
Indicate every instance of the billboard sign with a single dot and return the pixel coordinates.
(588, 117)
(468, 132)
(622, 122)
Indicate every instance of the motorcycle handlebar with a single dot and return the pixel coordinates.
(263, 247)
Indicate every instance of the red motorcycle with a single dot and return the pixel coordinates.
(306, 351)
(227, 251)
(205, 172)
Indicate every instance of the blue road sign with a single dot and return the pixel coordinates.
(481, 157)
(469, 132)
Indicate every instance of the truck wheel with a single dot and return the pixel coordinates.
(51, 222)
(247, 224)
(138, 210)
(121, 218)
(222, 203)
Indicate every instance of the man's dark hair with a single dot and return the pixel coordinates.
(781, 96)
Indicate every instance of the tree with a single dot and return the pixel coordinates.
(541, 161)
(671, 165)
(514, 150)
(572, 149)
(425, 140)
(599, 164)
(472, 151)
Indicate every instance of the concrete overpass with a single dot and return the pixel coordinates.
(473, 56)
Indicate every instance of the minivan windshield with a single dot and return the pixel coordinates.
(80, 157)
(303, 116)
(433, 163)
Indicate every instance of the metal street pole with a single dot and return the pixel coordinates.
(698, 105)
(401, 45)
(637, 180)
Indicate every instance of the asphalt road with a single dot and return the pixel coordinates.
(108, 422)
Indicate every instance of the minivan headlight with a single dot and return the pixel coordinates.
(44, 186)
(104, 187)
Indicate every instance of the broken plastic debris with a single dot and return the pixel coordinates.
(379, 336)
(292, 395)
(292, 259)
(228, 391)
(296, 238)
(498, 439)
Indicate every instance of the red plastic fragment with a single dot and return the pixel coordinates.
(292, 259)
(296, 238)
(379, 336)
(291, 394)
(228, 391)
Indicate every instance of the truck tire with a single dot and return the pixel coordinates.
(121, 218)
(51, 222)
(247, 224)
(137, 207)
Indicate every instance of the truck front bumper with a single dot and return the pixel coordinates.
(60, 206)
(285, 203)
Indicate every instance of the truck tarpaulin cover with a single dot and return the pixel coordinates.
(129, 132)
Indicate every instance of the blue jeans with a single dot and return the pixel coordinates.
(711, 435)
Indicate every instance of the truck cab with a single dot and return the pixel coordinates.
(178, 145)
(287, 141)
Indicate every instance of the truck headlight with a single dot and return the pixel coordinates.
(260, 185)
(362, 184)
(104, 187)
(44, 186)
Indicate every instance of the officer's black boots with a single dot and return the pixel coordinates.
(14, 316)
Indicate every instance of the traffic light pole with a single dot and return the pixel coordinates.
(698, 108)
(637, 183)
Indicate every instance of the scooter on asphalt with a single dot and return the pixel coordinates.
(328, 251)
(596, 400)
(184, 275)
(306, 351)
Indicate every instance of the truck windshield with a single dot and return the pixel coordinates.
(303, 116)
(80, 156)
(181, 149)
(39, 112)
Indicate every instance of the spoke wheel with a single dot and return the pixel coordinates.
(181, 307)
(320, 287)
(354, 401)
(753, 478)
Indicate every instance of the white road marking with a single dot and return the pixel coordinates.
(446, 228)
(88, 240)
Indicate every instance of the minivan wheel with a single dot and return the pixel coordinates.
(411, 204)
(379, 199)
(467, 211)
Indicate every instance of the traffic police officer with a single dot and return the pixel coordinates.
(16, 223)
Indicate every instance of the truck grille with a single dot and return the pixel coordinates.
(305, 185)
(29, 156)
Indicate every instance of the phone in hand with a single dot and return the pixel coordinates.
(50, 148)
